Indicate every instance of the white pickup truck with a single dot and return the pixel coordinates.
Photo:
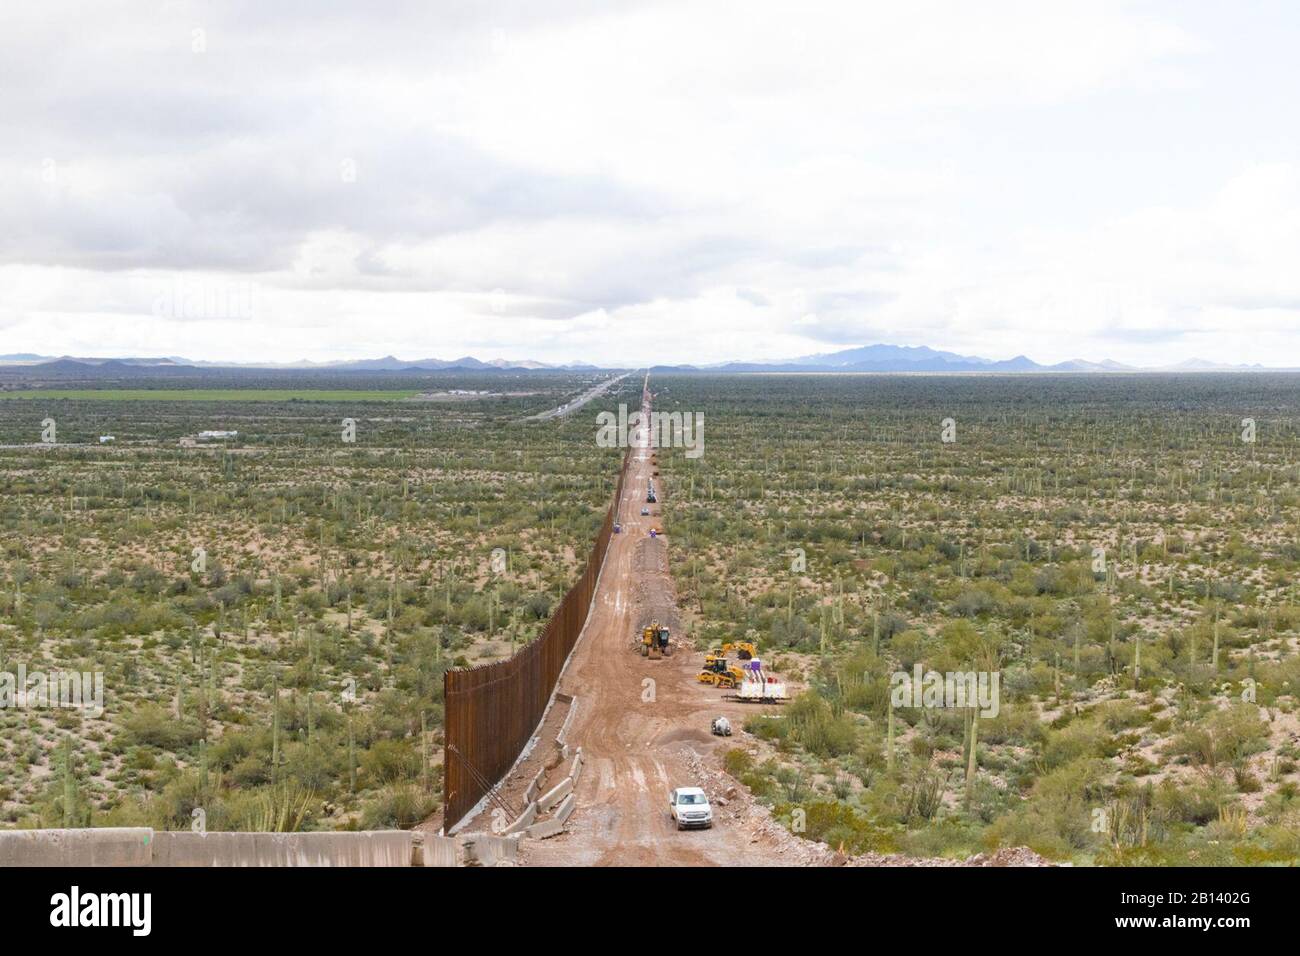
(690, 808)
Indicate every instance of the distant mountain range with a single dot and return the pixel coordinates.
(905, 358)
(175, 364)
(867, 358)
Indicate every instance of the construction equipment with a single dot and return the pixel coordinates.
(656, 641)
(721, 727)
(650, 493)
(756, 686)
(719, 672)
(745, 650)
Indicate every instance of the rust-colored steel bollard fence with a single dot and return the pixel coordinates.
(492, 710)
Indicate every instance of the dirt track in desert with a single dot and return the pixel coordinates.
(643, 726)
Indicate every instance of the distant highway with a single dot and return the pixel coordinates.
(577, 403)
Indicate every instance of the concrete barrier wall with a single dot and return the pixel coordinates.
(486, 850)
(564, 809)
(555, 794)
(116, 846)
(439, 851)
(530, 794)
(377, 848)
(524, 819)
(204, 849)
(144, 847)
(560, 796)
(568, 719)
(547, 828)
(555, 823)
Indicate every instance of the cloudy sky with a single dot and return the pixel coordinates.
(628, 180)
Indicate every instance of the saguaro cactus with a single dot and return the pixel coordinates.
(71, 797)
(352, 757)
(971, 760)
(275, 728)
(889, 745)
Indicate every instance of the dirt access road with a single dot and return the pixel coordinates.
(643, 724)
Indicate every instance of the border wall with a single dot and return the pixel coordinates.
(493, 710)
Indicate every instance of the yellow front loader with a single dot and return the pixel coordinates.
(719, 672)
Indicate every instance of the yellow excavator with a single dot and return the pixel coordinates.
(745, 650)
(655, 641)
(719, 672)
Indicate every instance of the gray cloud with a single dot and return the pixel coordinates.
(723, 173)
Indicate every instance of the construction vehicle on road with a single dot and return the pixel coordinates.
(656, 641)
(650, 493)
(720, 672)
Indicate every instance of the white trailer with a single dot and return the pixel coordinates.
(758, 686)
